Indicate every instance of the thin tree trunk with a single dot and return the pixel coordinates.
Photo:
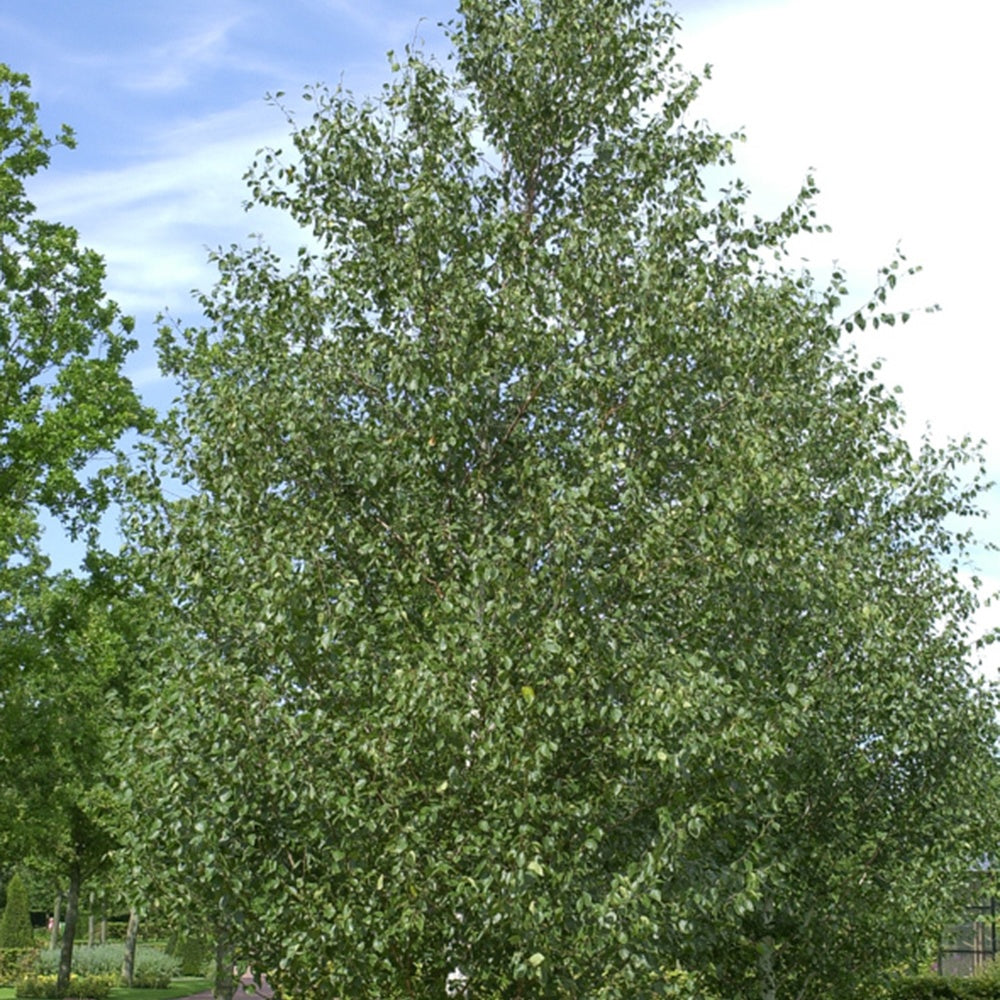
(104, 920)
(91, 936)
(765, 955)
(131, 936)
(72, 908)
(225, 978)
(56, 917)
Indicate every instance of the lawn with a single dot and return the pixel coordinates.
(182, 987)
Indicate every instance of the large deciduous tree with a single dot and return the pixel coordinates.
(64, 401)
(556, 600)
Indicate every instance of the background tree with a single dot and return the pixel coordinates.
(63, 402)
(76, 667)
(550, 568)
(64, 397)
(15, 924)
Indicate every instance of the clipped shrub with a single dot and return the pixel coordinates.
(15, 924)
(15, 963)
(930, 987)
(117, 928)
(45, 986)
(984, 986)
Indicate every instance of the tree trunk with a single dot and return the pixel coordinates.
(56, 917)
(765, 955)
(91, 927)
(131, 936)
(72, 907)
(225, 978)
(104, 920)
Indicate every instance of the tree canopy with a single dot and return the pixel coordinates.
(63, 397)
(556, 605)
(64, 401)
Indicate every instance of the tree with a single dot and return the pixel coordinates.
(131, 939)
(15, 924)
(75, 669)
(556, 600)
(63, 402)
(64, 397)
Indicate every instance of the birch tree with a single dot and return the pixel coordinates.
(556, 599)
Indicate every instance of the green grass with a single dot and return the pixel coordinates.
(182, 987)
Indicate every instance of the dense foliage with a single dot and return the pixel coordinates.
(555, 609)
(555, 602)
(15, 963)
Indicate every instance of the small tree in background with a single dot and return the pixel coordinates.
(15, 924)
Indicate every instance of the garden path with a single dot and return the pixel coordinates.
(241, 993)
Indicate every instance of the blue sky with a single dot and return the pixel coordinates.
(891, 102)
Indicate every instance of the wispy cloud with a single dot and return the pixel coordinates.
(382, 20)
(175, 63)
(149, 216)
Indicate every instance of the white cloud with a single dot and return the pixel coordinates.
(172, 64)
(891, 103)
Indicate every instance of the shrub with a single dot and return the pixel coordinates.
(153, 969)
(983, 986)
(15, 924)
(989, 973)
(923, 988)
(194, 953)
(15, 963)
(102, 959)
(116, 929)
(45, 986)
